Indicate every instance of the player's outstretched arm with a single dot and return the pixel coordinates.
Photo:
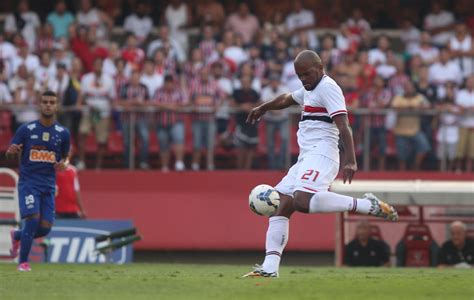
(345, 132)
(281, 102)
(13, 151)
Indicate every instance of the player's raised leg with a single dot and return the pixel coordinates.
(276, 240)
(325, 202)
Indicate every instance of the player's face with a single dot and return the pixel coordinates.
(309, 75)
(48, 106)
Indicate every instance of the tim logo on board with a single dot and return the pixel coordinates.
(74, 242)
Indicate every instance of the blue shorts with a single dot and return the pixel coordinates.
(34, 200)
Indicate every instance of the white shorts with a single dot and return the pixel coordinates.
(311, 173)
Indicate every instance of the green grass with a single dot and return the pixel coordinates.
(177, 281)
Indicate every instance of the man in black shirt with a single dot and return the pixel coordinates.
(459, 251)
(366, 251)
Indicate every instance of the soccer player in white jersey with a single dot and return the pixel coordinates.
(305, 187)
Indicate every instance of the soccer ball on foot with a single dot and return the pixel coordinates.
(264, 200)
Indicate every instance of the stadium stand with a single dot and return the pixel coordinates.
(372, 54)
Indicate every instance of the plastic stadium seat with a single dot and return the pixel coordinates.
(91, 143)
(5, 120)
(115, 142)
(417, 240)
(5, 138)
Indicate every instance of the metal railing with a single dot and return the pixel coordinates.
(364, 114)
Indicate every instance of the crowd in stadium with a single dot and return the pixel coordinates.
(177, 82)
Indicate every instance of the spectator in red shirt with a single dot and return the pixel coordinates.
(68, 195)
(132, 53)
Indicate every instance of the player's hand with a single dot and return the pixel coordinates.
(14, 150)
(348, 172)
(255, 114)
(61, 165)
(82, 214)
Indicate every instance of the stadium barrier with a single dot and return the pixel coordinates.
(209, 210)
(360, 118)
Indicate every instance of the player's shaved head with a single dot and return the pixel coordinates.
(308, 58)
(309, 68)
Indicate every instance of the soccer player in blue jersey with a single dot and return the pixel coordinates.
(43, 147)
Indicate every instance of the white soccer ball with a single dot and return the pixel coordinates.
(264, 200)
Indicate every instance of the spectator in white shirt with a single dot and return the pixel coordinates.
(150, 78)
(276, 125)
(25, 21)
(62, 54)
(19, 79)
(7, 55)
(176, 52)
(109, 65)
(5, 96)
(234, 52)
(462, 49)
(97, 94)
(223, 110)
(443, 71)
(302, 20)
(139, 23)
(31, 61)
(428, 53)
(27, 96)
(94, 18)
(439, 23)
(410, 36)
(379, 55)
(465, 150)
(178, 16)
(45, 71)
(447, 136)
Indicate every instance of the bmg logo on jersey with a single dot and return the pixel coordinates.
(30, 201)
(42, 156)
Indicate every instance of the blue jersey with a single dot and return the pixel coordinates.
(42, 148)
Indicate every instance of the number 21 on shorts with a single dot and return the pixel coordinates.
(310, 175)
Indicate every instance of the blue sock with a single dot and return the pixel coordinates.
(42, 231)
(27, 236)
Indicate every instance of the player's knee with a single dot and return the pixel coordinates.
(45, 224)
(285, 209)
(42, 231)
(301, 202)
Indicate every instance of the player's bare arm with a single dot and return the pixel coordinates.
(13, 151)
(281, 102)
(345, 132)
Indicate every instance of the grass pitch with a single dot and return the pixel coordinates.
(178, 281)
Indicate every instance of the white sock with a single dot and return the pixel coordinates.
(323, 202)
(277, 237)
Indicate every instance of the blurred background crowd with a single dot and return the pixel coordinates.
(174, 80)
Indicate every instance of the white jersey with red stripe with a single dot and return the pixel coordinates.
(316, 136)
